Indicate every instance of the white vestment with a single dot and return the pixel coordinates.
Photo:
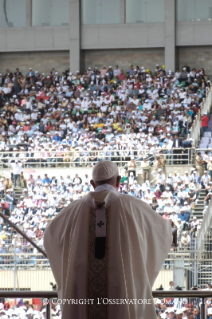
(138, 242)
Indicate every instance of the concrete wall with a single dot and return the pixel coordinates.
(193, 33)
(38, 61)
(123, 58)
(196, 57)
(168, 35)
(34, 39)
(43, 61)
(143, 35)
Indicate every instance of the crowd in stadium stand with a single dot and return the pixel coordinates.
(165, 312)
(173, 197)
(76, 119)
(23, 309)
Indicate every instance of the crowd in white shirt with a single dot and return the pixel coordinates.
(103, 109)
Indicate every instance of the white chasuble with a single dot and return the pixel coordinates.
(115, 262)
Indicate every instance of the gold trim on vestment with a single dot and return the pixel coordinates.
(87, 263)
(97, 274)
(108, 257)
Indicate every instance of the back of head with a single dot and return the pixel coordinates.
(105, 172)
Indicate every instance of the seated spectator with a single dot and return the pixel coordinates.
(185, 239)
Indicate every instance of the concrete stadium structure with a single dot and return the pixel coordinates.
(79, 34)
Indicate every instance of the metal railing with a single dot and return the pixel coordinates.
(23, 261)
(206, 104)
(196, 126)
(203, 150)
(156, 294)
(195, 130)
(175, 156)
(10, 261)
(205, 227)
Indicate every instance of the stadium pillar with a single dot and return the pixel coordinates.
(178, 272)
(170, 23)
(74, 42)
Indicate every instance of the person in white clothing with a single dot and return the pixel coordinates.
(16, 172)
(89, 260)
(171, 286)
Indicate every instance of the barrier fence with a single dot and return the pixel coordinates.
(196, 126)
(175, 156)
(205, 230)
(23, 269)
(206, 104)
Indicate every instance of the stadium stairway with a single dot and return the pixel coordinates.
(204, 274)
(18, 193)
(199, 206)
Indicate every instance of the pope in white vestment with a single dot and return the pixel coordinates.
(106, 250)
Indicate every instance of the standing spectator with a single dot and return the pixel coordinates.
(23, 180)
(146, 167)
(206, 159)
(159, 164)
(209, 167)
(186, 67)
(8, 185)
(205, 121)
(132, 167)
(9, 199)
(2, 185)
(199, 164)
(207, 199)
(16, 172)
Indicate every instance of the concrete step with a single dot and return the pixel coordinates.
(200, 208)
(198, 214)
(18, 193)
